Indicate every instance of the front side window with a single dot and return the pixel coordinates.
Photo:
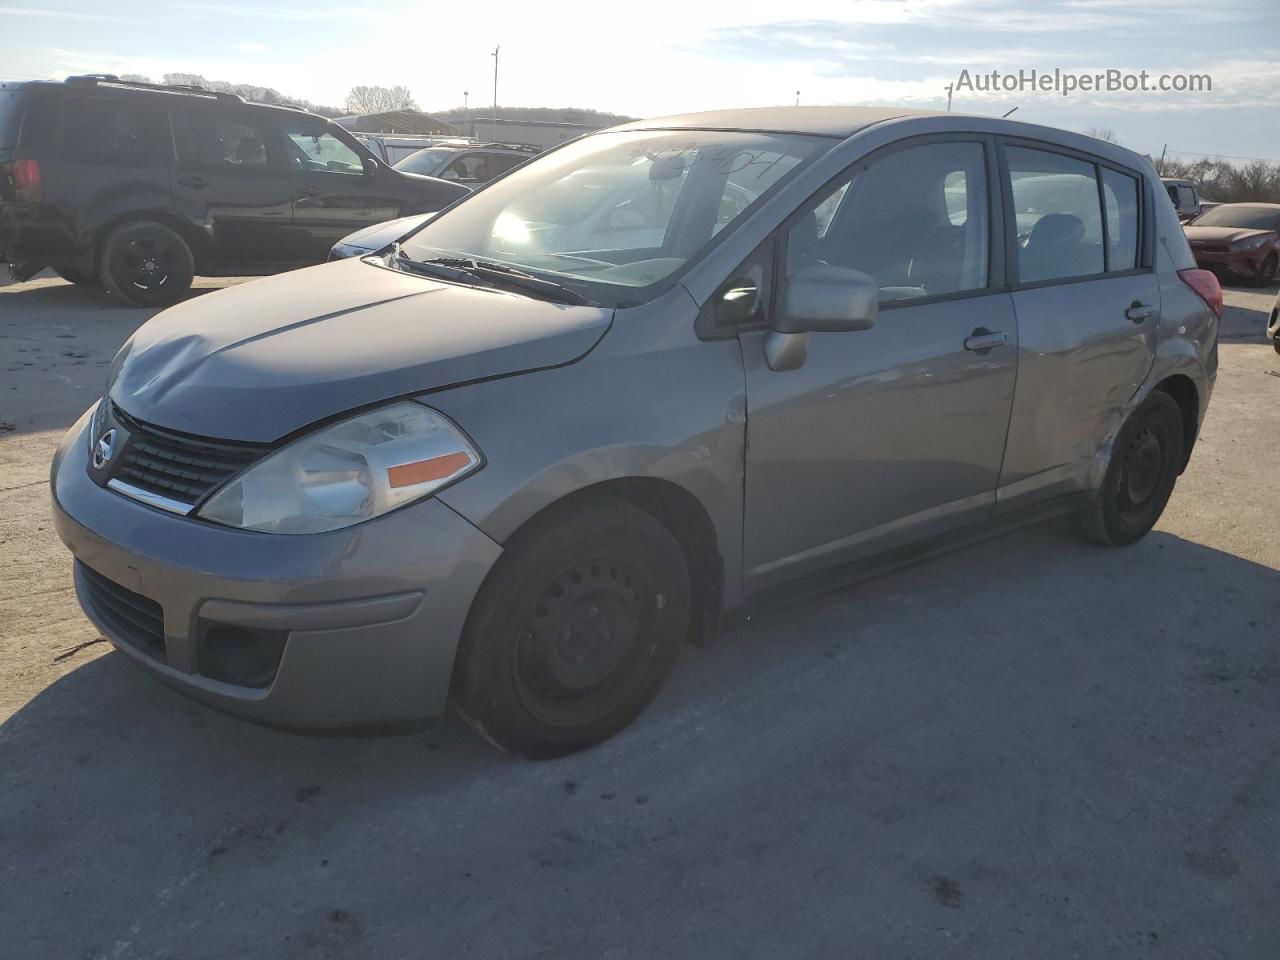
(1059, 217)
(915, 220)
(614, 212)
(102, 131)
(427, 163)
(313, 148)
(218, 141)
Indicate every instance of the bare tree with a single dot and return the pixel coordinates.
(135, 77)
(1102, 133)
(365, 100)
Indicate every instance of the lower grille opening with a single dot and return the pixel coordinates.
(129, 617)
(240, 655)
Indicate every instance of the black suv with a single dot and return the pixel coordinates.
(140, 186)
(472, 164)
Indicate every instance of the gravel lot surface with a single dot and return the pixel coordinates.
(1028, 748)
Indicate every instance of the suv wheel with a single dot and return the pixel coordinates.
(1144, 466)
(574, 631)
(147, 263)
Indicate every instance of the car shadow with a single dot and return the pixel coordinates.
(994, 717)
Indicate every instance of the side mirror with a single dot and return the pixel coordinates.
(827, 299)
(370, 166)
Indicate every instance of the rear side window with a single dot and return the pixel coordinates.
(1059, 216)
(1120, 191)
(218, 141)
(111, 132)
(916, 220)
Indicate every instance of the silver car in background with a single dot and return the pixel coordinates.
(515, 463)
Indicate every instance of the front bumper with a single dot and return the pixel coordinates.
(1241, 263)
(370, 616)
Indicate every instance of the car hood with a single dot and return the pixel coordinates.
(379, 235)
(1221, 234)
(259, 361)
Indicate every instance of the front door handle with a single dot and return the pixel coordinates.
(195, 183)
(1139, 311)
(983, 340)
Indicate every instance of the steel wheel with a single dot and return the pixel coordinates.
(147, 263)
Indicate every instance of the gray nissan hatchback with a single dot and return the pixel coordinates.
(515, 460)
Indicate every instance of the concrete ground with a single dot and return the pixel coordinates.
(1030, 748)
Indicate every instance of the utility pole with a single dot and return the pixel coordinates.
(495, 91)
(1160, 165)
(797, 98)
(950, 89)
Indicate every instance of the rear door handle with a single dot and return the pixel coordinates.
(982, 340)
(1139, 311)
(196, 183)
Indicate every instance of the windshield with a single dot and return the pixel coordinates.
(426, 162)
(1237, 215)
(615, 212)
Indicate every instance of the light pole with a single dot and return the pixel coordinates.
(465, 94)
(797, 98)
(495, 91)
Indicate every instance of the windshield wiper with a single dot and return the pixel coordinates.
(500, 275)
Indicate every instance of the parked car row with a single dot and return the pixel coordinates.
(139, 187)
(1238, 240)
(517, 457)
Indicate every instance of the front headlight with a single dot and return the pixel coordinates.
(350, 471)
(1250, 243)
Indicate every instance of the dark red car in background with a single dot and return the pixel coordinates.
(1238, 239)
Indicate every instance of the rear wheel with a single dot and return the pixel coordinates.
(147, 263)
(1145, 461)
(575, 630)
(80, 278)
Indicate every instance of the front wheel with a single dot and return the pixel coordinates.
(1145, 461)
(147, 263)
(1267, 275)
(575, 630)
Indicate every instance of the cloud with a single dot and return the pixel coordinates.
(251, 47)
(57, 14)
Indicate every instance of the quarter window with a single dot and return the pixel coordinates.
(1059, 217)
(102, 131)
(219, 141)
(916, 220)
(1120, 191)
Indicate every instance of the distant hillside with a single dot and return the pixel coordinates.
(553, 114)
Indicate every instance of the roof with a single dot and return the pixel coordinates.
(396, 121)
(823, 121)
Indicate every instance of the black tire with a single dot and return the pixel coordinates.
(78, 277)
(1267, 275)
(147, 263)
(1145, 462)
(574, 631)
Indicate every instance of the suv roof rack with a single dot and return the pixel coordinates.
(110, 79)
(522, 147)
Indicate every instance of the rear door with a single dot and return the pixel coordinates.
(1087, 303)
(333, 193)
(230, 182)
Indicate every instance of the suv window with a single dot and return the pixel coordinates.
(313, 148)
(1059, 217)
(106, 131)
(219, 141)
(915, 219)
(469, 166)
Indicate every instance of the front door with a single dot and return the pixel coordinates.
(891, 434)
(231, 183)
(334, 194)
(1088, 307)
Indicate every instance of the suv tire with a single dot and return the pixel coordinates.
(574, 631)
(147, 263)
(1145, 461)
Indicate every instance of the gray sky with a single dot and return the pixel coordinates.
(660, 56)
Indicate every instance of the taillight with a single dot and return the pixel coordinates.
(26, 181)
(1206, 286)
